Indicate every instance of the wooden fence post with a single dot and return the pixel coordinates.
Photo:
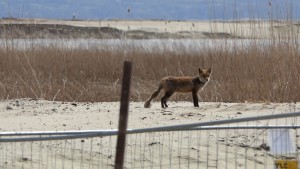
(123, 118)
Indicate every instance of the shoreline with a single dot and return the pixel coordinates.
(143, 29)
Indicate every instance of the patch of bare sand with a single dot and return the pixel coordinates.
(27, 115)
(215, 148)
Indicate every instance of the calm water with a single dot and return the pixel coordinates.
(158, 45)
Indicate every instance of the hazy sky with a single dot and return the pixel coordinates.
(151, 9)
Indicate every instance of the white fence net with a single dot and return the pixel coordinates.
(255, 142)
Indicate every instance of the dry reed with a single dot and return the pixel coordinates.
(252, 73)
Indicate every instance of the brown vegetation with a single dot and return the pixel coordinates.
(242, 74)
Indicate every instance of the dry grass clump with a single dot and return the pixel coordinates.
(241, 74)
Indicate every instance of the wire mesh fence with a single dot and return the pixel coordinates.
(253, 142)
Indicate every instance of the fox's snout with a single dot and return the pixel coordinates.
(206, 80)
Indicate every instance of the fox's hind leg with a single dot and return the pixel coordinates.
(153, 95)
(195, 99)
(165, 98)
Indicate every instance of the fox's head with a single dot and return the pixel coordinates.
(204, 75)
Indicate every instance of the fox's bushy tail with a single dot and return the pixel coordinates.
(154, 94)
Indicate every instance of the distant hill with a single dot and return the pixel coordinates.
(151, 9)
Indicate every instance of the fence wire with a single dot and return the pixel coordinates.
(254, 142)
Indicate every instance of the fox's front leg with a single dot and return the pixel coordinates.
(165, 98)
(195, 99)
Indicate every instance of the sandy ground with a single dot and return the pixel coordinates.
(40, 115)
(194, 149)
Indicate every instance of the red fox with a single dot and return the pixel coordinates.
(184, 84)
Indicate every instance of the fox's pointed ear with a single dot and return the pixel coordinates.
(209, 70)
(200, 70)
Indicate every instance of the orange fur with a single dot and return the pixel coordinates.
(184, 84)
